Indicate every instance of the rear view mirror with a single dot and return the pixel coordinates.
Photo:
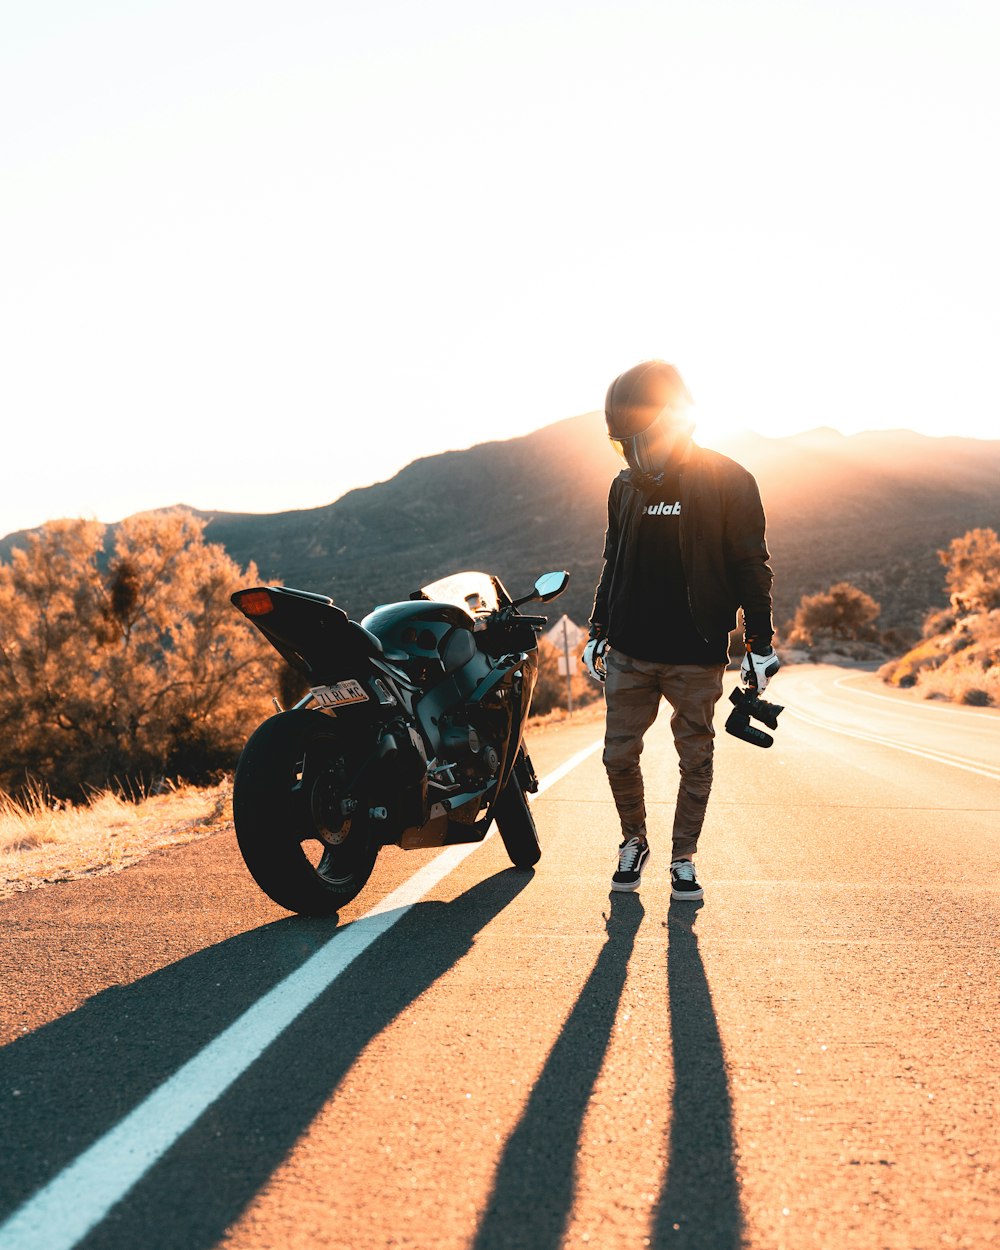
(549, 585)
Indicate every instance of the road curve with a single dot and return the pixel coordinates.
(808, 1058)
(857, 705)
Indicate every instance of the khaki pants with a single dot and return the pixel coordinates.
(633, 690)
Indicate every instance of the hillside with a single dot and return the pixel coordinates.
(872, 509)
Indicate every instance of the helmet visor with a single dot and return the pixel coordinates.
(643, 452)
(648, 451)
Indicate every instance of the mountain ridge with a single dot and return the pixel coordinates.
(871, 508)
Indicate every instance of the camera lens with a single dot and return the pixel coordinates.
(766, 713)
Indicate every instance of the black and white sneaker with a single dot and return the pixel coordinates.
(632, 856)
(683, 882)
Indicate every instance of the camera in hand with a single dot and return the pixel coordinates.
(748, 704)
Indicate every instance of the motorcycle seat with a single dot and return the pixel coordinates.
(393, 655)
(374, 643)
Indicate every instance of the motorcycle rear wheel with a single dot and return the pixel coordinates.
(517, 825)
(273, 814)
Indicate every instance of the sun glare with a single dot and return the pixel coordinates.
(715, 424)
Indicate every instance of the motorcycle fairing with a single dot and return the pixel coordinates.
(503, 690)
(475, 593)
(515, 697)
(311, 632)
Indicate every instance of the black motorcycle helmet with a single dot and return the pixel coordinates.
(647, 415)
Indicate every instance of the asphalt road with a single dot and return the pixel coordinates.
(505, 1060)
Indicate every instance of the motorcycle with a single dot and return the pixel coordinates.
(410, 735)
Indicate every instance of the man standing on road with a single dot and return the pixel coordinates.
(684, 550)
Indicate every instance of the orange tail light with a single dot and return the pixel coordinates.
(256, 603)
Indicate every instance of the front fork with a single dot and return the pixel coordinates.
(524, 771)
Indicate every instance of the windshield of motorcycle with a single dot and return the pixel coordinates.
(474, 592)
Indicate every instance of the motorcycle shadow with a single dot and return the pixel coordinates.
(79, 1075)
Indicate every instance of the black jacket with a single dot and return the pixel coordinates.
(723, 550)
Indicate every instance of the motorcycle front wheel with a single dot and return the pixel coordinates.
(274, 807)
(517, 825)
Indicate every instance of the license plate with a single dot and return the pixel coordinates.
(340, 693)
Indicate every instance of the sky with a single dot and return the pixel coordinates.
(257, 254)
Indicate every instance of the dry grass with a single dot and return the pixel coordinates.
(592, 711)
(961, 683)
(42, 841)
(962, 664)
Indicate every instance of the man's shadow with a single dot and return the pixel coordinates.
(533, 1191)
(699, 1206)
(63, 1086)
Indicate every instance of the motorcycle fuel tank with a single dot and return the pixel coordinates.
(423, 631)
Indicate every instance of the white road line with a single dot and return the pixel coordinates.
(63, 1212)
(568, 767)
(939, 757)
(844, 683)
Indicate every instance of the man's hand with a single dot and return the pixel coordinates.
(757, 670)
(594, 658)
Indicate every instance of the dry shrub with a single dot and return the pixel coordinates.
(972, 571)
(959, 658)
(961, 683)
(906, 670)
(962, 665)
(125, 664)
(550, 688)
(840, 619)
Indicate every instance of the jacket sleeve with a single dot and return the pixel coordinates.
(747, 557)
(599, 616)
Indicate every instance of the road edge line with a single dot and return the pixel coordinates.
(861, 736)
(983, 715)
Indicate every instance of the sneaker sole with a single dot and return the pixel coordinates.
(621, 888)
(689, 894)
